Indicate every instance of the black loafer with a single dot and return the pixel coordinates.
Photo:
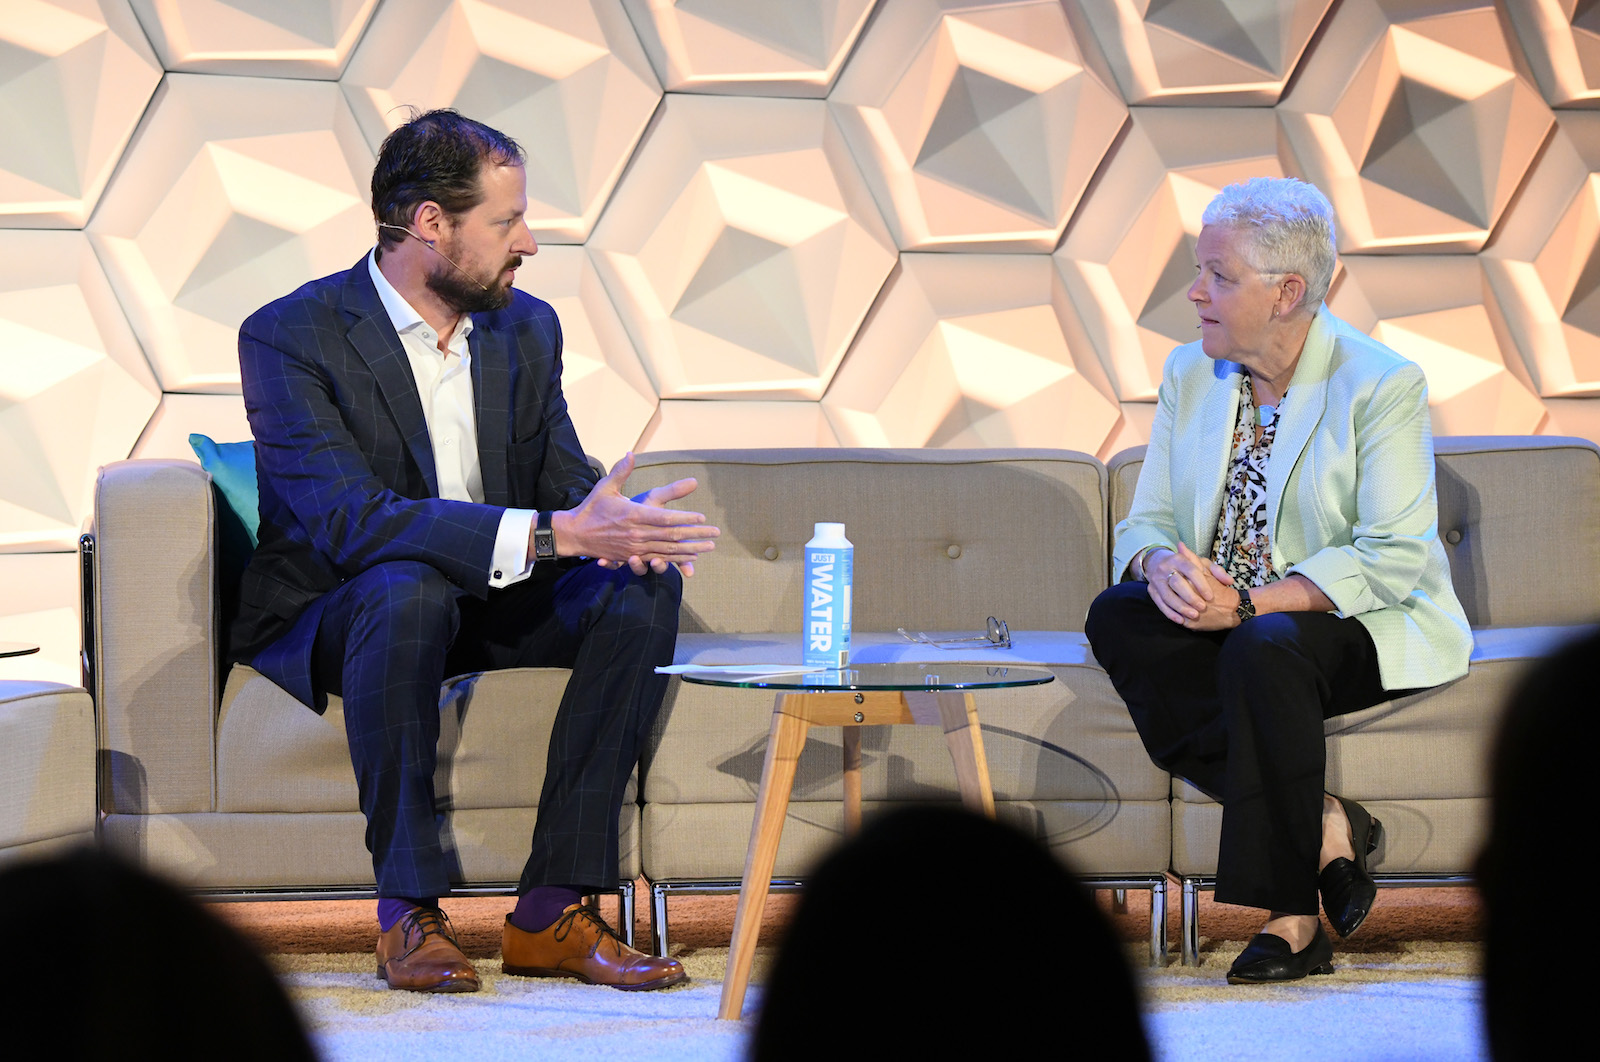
(1348, 891)
(1267, 960)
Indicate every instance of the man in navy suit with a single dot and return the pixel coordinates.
(426, 510)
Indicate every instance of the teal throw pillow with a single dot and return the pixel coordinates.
(233, 471)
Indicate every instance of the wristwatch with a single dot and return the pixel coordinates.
(544, 538)
(1246, 609)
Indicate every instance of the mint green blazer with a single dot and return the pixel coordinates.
(1351, 501)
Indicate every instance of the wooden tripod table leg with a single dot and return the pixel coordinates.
(964, 737)
(852, 780)
(784, 742)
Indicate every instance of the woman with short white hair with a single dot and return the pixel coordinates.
(1280, 565)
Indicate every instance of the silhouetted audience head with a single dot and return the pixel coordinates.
(109, 963)
(1541, 829)
(937, 933)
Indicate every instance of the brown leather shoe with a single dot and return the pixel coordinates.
(581, 945)
(420, 953)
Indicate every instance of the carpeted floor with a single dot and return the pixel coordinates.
(1406, 988)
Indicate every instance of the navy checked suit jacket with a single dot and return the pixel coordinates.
(345, 466)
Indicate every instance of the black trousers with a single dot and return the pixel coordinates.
(1239, 714)
(391, 635)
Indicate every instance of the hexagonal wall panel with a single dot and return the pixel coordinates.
(794, 48)
(75, 391)
(1417, 126)
(1438, 311)
(1561, 40)
(608, 392)
(692, 425)
(235, 191)
(1128, 259)
(307, 38)
(976, 124)
(1230, 52)
(1544, 263)
(566, 78)
(40, 607)
(967, 350)
(167, 435)
(74, 77)
(742, 249)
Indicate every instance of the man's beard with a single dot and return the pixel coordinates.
(464, 293)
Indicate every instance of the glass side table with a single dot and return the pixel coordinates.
(866, 695)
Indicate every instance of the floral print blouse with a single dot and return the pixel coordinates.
(1242, 547)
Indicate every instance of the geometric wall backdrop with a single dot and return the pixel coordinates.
(1561, 39)
(609, 395)
(794, 48)
(39, 606)
(743, 248)
(967, 351)
(235, 190)
(75, 391)
(74, 78)
(1418, 124)
(1544, 263)
(977, 124)
(841, 222)
(1232, 52)
(690, 424)
(1128, 259)
(219, 417)
(567, 79)
(1437, 311)
(287, 38)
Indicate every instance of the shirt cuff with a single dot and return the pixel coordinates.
(511, 562)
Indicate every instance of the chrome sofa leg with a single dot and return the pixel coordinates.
(1158, 923)
(658, 918)
(1189, 922)
(1119, 901)
(625, 911)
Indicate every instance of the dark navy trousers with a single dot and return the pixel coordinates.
(1239, 714)
(388, 638)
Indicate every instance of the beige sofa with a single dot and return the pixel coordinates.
(1520, 518)
(46, 769)
(225, 782)
(943, 539)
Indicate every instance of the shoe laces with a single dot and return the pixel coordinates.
(425, 922)
(590, 914)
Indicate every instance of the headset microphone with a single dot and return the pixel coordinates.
(435, 250)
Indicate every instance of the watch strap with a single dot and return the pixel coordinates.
(1247, 608)
(544, 537)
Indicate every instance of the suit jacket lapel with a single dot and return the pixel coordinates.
(374, 339)
(491, 388)
(1213, 448)
(1300, 413)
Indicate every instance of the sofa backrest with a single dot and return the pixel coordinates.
(1520, 519)
(943, 538)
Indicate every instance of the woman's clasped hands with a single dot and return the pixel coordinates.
(1191, 590)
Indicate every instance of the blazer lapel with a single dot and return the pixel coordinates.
(491, 388)
(1213, 448)
(1299, 414)
(374, 339)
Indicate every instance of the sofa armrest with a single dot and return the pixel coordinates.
(155, 636)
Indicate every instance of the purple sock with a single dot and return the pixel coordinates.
(393, 908)
(539, 907)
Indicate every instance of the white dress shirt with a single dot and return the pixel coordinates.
(444, 386)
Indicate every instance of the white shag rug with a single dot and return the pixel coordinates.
(1418, 1003)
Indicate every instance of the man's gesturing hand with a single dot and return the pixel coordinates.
(638, 532)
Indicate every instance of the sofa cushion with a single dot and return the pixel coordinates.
(943, 538)
(276, 755)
